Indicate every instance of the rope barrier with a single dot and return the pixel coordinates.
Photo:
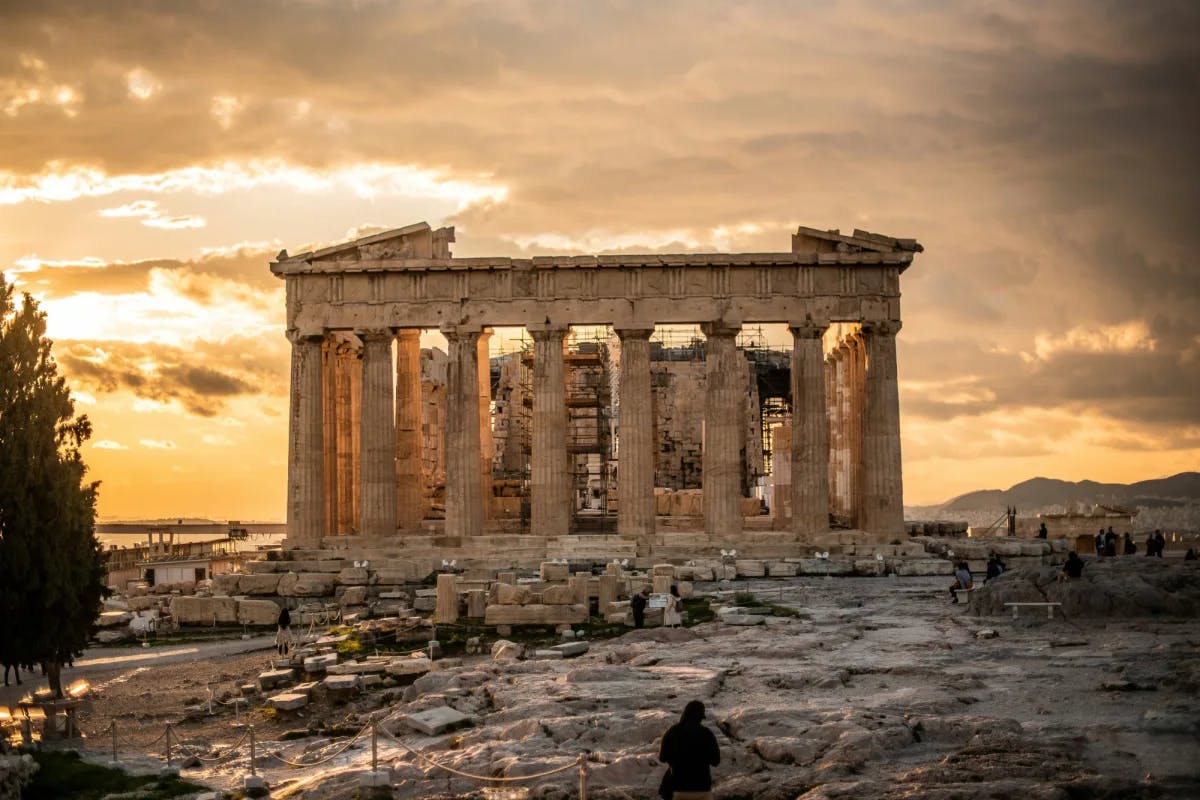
(327, 758)
(516, 779)
(214, 759)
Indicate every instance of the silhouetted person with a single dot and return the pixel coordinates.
(690, 749)
(1190, 555)
(673, 613)
(1110, 543)
(283, 631)
(637, 604)
(1100, 542)
(995, 567)
(1130, 545)
(17, 671)
(1042, 532)
(1073, 568)
(1160, 543)
(1149, 544)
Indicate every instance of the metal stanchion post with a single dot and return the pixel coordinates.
(374, 746)
(168, 745)
(252, 772)
(583, 776)
(112, 727)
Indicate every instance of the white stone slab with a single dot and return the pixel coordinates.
(288, 701)
(342, 683)
(435, 721)
(320, 663)
(275, 678)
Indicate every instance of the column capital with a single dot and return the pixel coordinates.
(808, 329)
(408, 333)
(720, 328)
(541, 331)
(297, 336)
(449, 329)
(888, 327)
(375, 335)
(634, 331)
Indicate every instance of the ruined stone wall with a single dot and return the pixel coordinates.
(511, 418)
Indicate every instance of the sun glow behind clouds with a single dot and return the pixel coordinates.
(169, 312)
(63, 183)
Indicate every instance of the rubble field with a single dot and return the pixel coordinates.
(819, 688)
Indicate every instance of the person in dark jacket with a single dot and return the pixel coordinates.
(1073, 568)
(637, 604)
(1160, 543)
(690, 749)
(1130, 545)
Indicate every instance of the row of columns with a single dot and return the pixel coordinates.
(855, 468)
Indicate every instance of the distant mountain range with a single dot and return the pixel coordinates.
(1041, 492)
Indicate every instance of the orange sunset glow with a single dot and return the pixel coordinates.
(157, 156)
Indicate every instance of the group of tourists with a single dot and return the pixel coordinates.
(672, 611)
(1109, 543)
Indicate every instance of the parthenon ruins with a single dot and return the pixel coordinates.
(359, 421)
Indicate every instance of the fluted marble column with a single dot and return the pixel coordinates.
(840, 432)
(724, 407)
(550, 489)
(635, 457)
(486, 448)
(347, 375)
(464, 509)
(831, 417)
(410, 489)
(329, 430)
(377, 497)
(856, 406)
(883, 487)
(810, 432)
(306, 481)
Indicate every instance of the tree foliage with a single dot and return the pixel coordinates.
(51, 565)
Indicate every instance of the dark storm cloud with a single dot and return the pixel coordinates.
(201, 378)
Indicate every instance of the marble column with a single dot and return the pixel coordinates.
(724, 407)
(856, 380)
(353, 366)
(464, 509)
(410, 488)
(831, 416)
(840, 431)
(348, 373)
(377, 497)
(486, 447)
(329, 431)
(810, 432)
(306, 481)
(883, 489)
(635, 455)
(550, 489)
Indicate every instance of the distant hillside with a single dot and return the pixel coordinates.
(1041, 492)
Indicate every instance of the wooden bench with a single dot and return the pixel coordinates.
(1048, 606)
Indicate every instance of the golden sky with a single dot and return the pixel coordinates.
(155, 156)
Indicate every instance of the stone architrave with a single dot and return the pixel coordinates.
(550, 487)
(377, 497)
(810, 433)
(486, 447)
(306, 483)
(883, 489)
(724, 407)
(635, 456)
(464, 507)
(410, 494)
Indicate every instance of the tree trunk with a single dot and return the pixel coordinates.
(54, 677)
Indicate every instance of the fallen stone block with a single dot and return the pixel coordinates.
(353, 596)
(113, 619)
(782, 569)
(869, 566)
(342, 683)
(191, 610)
(273, 679)
(509, 595)
(545, 655)
(227, 584)
(571, 649)
(923, 567)
(409, 667)
(504, 650)
(313, 584)
(825, 566)
(288, 701)
(436, 721)
(558, 596)
(372, 681)
(353, 576)
(305, 688)
(320, 662)
(554, 572)
(535, 614)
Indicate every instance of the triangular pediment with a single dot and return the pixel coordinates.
(812, 240)
(418, 240)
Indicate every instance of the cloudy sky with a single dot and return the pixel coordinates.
(155, 156)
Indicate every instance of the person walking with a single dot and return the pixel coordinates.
(673, 612)
(283, 631)
(1160, 543)
(689, 750)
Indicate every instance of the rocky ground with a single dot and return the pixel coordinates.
(878, 688)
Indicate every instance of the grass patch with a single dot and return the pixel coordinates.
(64, 776)
(748, 599)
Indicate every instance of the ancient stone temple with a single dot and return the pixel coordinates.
(359, 457)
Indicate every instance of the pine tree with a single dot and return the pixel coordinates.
(51, 565)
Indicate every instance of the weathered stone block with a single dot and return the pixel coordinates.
(554, 572)
(353, 576)
(535, 614)
(226, 584)
(750, 568)
(825, 566)
(409, 667)
(342, 683)
(927, 566)
(313, 584)
(782, 569)
(267, 583)
(273, 679)
(435, 721)
(288, 701)
(320, 662)
(257, 612)
(354, 596)
(558, 595)
(507, 594)
(287, 583)
(192, 610)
